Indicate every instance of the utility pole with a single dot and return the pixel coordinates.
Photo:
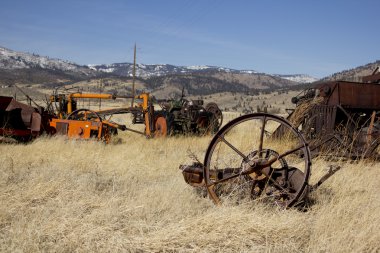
(100, 91)
(133, 76)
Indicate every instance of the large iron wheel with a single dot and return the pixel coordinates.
(217, 119)
(247, 161)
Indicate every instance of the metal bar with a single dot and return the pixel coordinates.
(273, 160)
(262, 135)
(232, 147)
(135, 131)
(370, 129)
(331, 172)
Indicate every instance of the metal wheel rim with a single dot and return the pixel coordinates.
(265, 117)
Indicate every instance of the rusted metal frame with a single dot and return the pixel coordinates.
(336, 86)
(15, 132)
(332, 92)
(325, 140)
(347, 114)
(134, 131)
(332, 171)
(256, 167)
(28, 97)
(245, 173)
(370, 129)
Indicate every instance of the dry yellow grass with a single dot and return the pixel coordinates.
(58, 195)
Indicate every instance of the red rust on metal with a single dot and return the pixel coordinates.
(345, 109)
(351, 94)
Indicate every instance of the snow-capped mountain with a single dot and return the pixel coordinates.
(299, 78)
(31, 68)
(149, 70)
(10, 59)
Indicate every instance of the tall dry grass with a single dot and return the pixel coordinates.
(59, 195)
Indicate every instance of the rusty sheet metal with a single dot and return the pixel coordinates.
(18, 115)
(351, 94)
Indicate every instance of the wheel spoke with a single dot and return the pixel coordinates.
(221, 137)
(262, 135)
(224, 179)
(275, 159)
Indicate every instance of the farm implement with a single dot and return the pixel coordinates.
(340, 118)
(176, 116)
(264, 157)
(62, 116)
(22, 122)
(246, 161)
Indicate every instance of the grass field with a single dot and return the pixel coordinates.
(61, 195)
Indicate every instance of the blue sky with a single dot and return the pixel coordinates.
(273, 36)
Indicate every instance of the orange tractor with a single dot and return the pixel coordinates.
(85, 123)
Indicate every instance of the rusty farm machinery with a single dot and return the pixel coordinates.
(62, 116)
(264, 157)
(340, 118)
(185, 116)
(246, 161)
(176, 116)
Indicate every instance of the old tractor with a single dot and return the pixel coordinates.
(190, 117)
(84, 123)
(340, 118)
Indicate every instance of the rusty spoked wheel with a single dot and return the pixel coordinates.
(245, 161)
(217, 119)
(161, 127)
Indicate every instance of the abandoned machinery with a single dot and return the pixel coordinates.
(24, 122)
(245, 161)
(340, 118)
(268, 158)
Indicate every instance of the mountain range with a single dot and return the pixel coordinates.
(146, 71)
(29, 68)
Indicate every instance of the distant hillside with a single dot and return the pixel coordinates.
(355, 74)
(166, 80)
(214, 82)
(19, 67)
(154, 70)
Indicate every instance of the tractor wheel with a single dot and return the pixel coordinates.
(161, 127)
(217, 118)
